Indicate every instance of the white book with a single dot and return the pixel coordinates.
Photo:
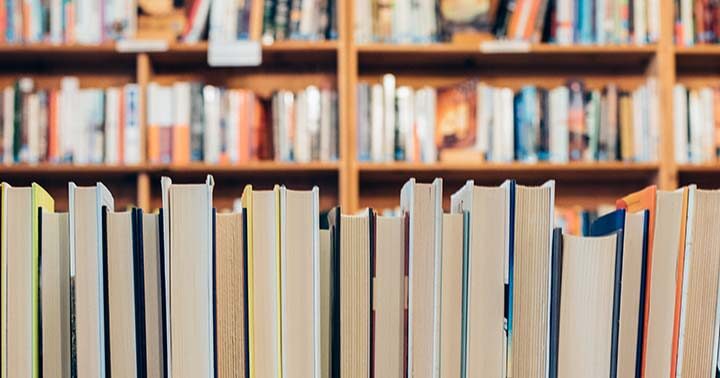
(83, 141)
(88, 22)
(312, 115)
(197, 23)
(325, 124)
(363, 20)
(403, 21)
(302, 134)
(559, 134)
(7, 124)
(131, 133)
(425, 20)
(707, 97)
(377, 118)
(112, 125)
(86, 206)
(56, 21)
(640, 21)
(503, 129)
(218, 27)
(653, 112)
(232, 123)
(680, 122)
(689, 236)
(212, 97)
(425, 124)
(565, 11)
(687, 20)
(483, 117)
(653, 19)
(69, 116)
(308, 17)
(406, 120)
(696, 122)
(601, 24)
(638, 123)
(389, 118)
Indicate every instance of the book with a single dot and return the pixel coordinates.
(21, 212)
(300, 281)
(353, 246)
(451, 310)
(122, 244)
(455, 130)
(422, 204)
(264, 277)
(666, 282)
(154, 285)
(88, 273)
(389, 297)
(529, 258)
(188, 249)
(231, 294)
(55, 294)
(634, 252)
(325, 302)
(588, 326)
(488, 235)
(698, 326)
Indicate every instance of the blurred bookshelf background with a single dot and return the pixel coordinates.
(604, 96)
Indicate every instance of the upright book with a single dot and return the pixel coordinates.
(451, 308)
(300, 282)
(189, 244)
(155, 311)
(263, 242)
(488, 235)
(529, 270)
(422, 204)
(22, 209)
(122, 244)
(55, 294)
(88, 276)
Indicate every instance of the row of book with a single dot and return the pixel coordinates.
(474, 121)
(696, 123)
(67, 21)
(186, 122)
(555, 21)
(696, 21)
(189, 121)
(98, 21)
(70, 124)
(488, 289)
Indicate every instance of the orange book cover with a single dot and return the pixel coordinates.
(121, 128)
(455, 129)
(645, 199)
(153, 143)
(530, 26)
(678, 284)
(512, 24)
(181, 143)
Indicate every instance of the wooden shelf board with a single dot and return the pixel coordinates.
(699, 168)
(252, 167)
(692, 59)
(493, 171)
(69, 169)
(539, 56)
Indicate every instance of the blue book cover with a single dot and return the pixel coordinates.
(526, 127)
(511, 268)
(585, 22)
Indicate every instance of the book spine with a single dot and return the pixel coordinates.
(282, 13)
(132, 124)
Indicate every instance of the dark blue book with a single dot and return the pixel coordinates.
(527, 127)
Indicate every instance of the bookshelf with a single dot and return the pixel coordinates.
(343, 63)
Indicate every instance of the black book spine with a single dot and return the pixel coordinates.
(555, 289)
(106, 299)
(334, 223)
(139, 289)
(246, 318)
(641, 310)
(214, 291)
(616, 305)
(163, 294)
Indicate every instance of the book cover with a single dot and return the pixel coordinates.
(455, 129)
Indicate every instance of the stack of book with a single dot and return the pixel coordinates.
(696, 21)
(473, 121)
(489, 288)
(697, 123)
(70, 124)
(555, 21)
(190, 121)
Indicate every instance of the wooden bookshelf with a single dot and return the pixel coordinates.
(342, 64)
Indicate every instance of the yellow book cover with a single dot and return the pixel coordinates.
(40, 200)
(3, 266)
(246, 200)
(276, 191)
